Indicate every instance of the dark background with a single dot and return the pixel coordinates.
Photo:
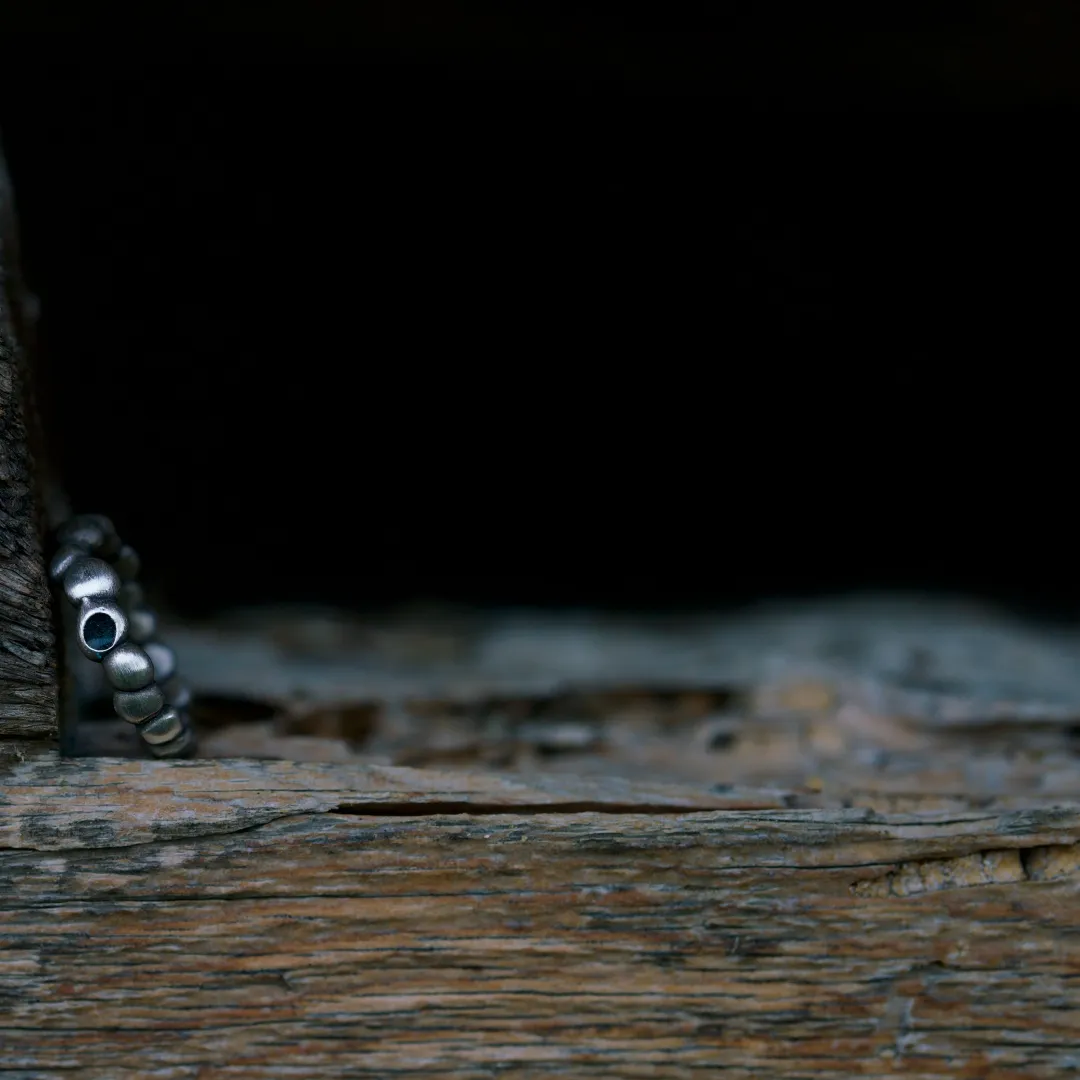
(571, 305)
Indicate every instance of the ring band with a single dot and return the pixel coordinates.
(116, 629)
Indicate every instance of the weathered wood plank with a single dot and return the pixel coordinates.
(853, 698)
(236, 922)
(50, 803)
(28, 675)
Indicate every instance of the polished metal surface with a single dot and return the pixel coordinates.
(100, 520)
(116, 628)
(163, 726)
(183, 743)
(65, 555)
(82, 532)
(136, 705)
(94, 532)
(90, 579)
(102, 625)
(128, 667)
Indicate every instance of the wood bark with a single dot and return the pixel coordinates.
(28, 672)
(269, 919)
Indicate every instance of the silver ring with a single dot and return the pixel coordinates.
(116, 629)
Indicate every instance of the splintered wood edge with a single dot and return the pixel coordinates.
(48, 803)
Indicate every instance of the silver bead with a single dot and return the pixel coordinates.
(162, 727)
(82, 531)
(143, 624)
(131, 595)
(136, 705)
(164, 660)
(109, 544)
(102, 626)
(90, 579)
(126, 563)
(65, 555)
(177, 692)
(100, 520)
(128, 667)
(183, 744)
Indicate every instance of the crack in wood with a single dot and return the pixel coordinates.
(337, 944)
(1001, 866)
(436, 808)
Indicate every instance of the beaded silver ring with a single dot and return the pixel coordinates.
(116, 629)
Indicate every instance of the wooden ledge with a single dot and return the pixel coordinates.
(50, 803)
(249, 919)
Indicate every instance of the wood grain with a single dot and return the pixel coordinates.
(28, 675)
(47, 802)
(243, 919)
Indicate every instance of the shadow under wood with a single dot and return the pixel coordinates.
(665, 705)
(210, 712)
(354, 722)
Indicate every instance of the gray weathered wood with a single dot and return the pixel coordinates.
(28, 673)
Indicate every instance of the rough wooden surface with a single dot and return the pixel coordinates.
(28, 674)
(244, 919)
(108, 803)
(877, 702)
(826, 841)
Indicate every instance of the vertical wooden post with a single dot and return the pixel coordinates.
(28, 670)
